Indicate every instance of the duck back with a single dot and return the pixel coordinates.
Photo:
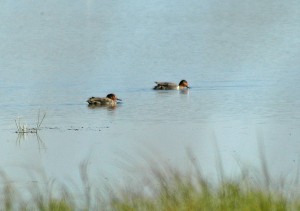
(165, 86)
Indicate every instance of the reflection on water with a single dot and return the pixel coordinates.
(101, 107)
(22, 137)
(108, 107)
(240, 59)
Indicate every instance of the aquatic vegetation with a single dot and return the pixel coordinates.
(22, 128)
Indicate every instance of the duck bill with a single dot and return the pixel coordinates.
(118, 99)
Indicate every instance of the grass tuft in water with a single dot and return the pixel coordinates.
(22, 128)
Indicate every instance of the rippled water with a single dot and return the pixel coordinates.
(240, 58)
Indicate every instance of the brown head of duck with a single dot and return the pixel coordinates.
(183, 84)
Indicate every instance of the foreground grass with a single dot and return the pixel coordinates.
(162, 189)
(178, 192)
(228, 197)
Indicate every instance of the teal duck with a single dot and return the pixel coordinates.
(183, 84)
(109, 100)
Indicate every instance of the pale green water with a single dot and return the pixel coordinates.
(240, 58)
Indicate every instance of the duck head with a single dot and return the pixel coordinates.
(113, 97)
(183, 83)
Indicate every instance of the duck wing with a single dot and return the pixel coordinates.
(165, 85)
(98, 100)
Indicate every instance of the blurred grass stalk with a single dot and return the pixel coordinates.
(161, 188)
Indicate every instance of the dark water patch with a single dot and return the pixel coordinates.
(74, 128)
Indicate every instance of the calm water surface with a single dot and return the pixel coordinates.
(240, 58)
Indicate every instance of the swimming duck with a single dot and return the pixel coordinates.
(171, 86)
(109, 100)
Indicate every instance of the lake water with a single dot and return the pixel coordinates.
(241, 59)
